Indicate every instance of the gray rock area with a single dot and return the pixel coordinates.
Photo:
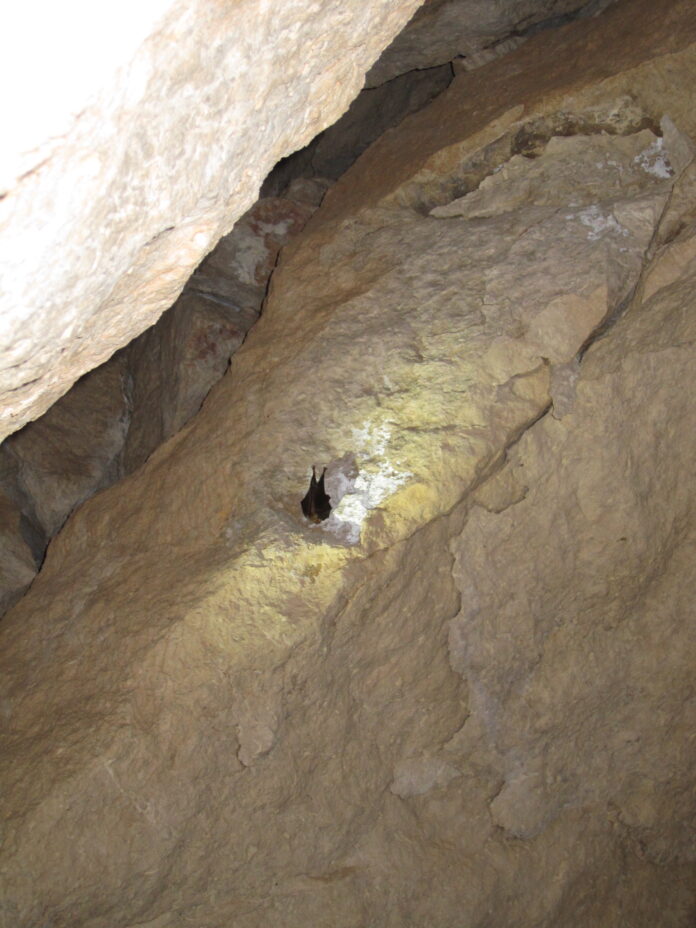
(17, 563)
(174, 364)
(73, 450)
(167, 372)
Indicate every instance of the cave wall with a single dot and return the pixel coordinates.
(94, 203)
(466, 697)
(114, 417)
(472, 32)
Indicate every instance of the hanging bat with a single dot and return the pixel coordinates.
(316, 506)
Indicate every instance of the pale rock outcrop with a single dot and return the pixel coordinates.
(138, 151)
(579, 649)
(465, 697)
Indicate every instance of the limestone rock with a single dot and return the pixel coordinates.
(136, 151)
(372, 112)
(115, 417)
(238, 269)
(430, 161)
(17, 564)
(465, 698)
(173, 365)
(471, 31)
(22, 540)
(74, 449)
(588, 573)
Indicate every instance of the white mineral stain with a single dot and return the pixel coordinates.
(598, 223)
(654, 160)
(377, 479)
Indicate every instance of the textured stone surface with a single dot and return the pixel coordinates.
(372, 112)
(112, 419)
(579, 651)
(74, 449)
(430, 156)
(240, 266)
(472, 31)
(17, 564)
(465, 697)
(174, 364)
(115, 189)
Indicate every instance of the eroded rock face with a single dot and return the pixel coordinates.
(472, 31)
(578, 746)
(373, 111)
(148, 159)
(17, 564)
(465, 697)
(23, 541)
(74, 449)
(52, 465)
(173, 365)
(113, 418)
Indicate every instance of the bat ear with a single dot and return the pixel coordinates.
(315, 505)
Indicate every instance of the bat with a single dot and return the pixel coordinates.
(316, 506)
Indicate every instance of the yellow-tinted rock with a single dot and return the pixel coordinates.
(450, 703)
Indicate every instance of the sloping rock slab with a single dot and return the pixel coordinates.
(112, 191)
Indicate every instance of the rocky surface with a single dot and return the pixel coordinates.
(17, 564)
(466, 696)
(373, 111)
(74, 449)
(52, 465)
(113, 418)
(138, 150)
(22, 540)
(472, 32)
(174, 364)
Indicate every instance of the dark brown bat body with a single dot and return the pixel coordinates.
(316, 506)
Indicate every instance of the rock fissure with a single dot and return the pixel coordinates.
(529, 139)
(649, 254)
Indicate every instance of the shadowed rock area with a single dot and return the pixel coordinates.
(472, 32)
(466, 697)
